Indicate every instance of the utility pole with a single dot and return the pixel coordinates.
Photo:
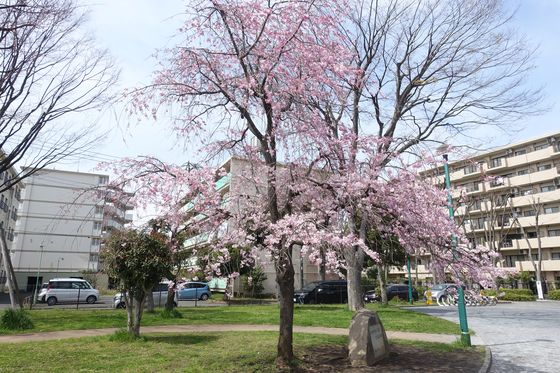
(465, 336)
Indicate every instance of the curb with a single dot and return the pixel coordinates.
(487, 360)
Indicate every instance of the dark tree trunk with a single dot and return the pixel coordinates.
(150, 302)
(285, 281)
(11, 281)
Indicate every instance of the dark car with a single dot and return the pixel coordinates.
(400, 291)
(322, 292)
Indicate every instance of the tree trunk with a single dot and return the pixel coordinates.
(322, 268)
(170, 303)
(13, 289)
(138, 310)
(285, 281)
(150, 302)
(129, 302)
(382, 284)
(354, 278)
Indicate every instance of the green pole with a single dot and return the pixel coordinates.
(410, 299)
(465, 336)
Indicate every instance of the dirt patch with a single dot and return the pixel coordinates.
(401, 359)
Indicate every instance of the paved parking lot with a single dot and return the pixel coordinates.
(523, 336)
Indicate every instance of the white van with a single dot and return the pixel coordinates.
(69, 290)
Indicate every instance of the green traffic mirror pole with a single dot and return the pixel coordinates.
(410, 299)
(465, 336)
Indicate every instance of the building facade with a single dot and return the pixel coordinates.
(64, 217)
(508, 199)
(9, 205)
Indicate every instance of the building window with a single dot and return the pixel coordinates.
(520, 152)
(496, 162)
(94, 257)
(531, 234)
(522, 172)
(470, 169)
(540, 146)
(544, 167)
(103, 180)
(98, 210)
(529, 213)
(96, 225)
(551, 210)
(554, 233)
(555, 256)
(95, 241)
(548, 188)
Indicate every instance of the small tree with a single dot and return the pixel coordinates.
(137, 260)
(254, 283)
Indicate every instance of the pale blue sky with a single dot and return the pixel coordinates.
(133, 30)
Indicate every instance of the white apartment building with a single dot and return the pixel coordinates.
(497, 197)
(9, 204)
(64, 217)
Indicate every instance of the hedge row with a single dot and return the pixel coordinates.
(512, 294)
(554, 294)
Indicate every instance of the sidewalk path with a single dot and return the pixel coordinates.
(49, 336)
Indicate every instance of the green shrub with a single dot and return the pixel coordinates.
(512, 292)
(16, 320)
(518, 297)
(489, 292)
(554, 294)
(171, 314)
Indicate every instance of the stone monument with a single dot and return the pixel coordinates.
(367, 341)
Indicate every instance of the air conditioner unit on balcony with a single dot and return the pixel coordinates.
(552, 140)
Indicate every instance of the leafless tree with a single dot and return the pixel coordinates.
(431, 69)
(49, 71)
(537, 207)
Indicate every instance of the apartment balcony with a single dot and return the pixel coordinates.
(223, 182)
(498, 184)
(547, 265)
(535, 177)
(403, 270)
(200, 239)
(544, 197)
(521, 244)
(544, 219)
(531, 157)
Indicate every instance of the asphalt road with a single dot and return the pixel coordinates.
(105, 301)
(523, 336)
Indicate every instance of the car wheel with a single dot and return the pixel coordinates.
(204, 297)
(175, 304)
(51, 301)
(91, 299)
(121, 305)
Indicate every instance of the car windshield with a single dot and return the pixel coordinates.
(310, 286)
(439, 287)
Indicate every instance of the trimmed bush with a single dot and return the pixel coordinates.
(526, 292)
(16, 320)
(489, 292)
(518, 297)
(554, 294)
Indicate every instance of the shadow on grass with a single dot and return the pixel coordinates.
(182, 339)
(314, 307)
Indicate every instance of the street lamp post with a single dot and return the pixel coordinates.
(58, 263)
(465, 336)
(410, 299)
(34, 300)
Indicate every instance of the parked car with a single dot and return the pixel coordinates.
(322, 292)
(42, 292)
(159, 293)
(440, 289)
(69, 290)
(371, 296)
(396, 290)
(194, 290)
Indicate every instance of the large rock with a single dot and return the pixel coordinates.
(367, 341)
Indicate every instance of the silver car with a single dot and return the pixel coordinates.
(159, 293)
(440, 289)
(69, 290)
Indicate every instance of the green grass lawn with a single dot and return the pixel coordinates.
(393, 318)
(196, 352)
